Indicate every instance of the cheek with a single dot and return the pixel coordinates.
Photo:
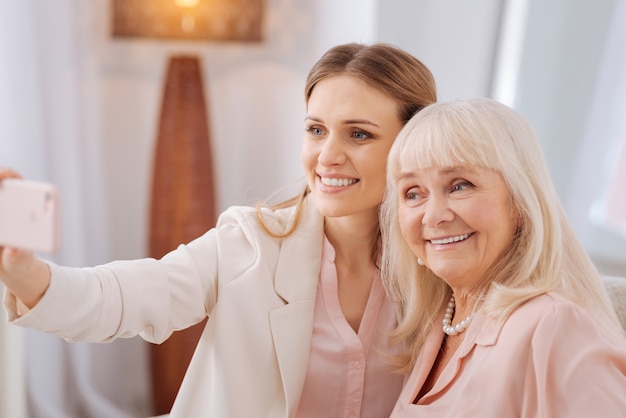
(378, 186)
(496, 219)
(307, 155)
(309, 163)
(377, 172)
(482, 214)
(409, 224)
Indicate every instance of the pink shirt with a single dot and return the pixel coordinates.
(549, 359)
(346, 376)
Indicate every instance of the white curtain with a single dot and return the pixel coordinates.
(21, 131)
(50, 133)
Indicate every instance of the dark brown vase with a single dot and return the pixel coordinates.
(183, 204)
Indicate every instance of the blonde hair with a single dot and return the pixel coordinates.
(383, 66)
(545, 255)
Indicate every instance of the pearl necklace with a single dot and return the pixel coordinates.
(447, 320)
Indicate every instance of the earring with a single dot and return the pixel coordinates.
(420, 261)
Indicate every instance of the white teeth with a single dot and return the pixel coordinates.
(450, 239)
(335, 182)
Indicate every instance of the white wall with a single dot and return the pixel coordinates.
(560, 63)
(558, 88)
(456, 39)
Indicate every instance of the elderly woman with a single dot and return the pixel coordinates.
(502, 312)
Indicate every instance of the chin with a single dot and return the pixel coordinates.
(331, 212)
(443, 269)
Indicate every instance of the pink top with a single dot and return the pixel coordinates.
(549, 359)
(346, 376)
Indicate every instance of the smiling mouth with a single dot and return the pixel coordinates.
(335, 182)
(450, 240)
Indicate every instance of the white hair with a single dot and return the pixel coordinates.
(545, 255)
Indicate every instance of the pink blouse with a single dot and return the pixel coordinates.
(548, 359)
(347, 376)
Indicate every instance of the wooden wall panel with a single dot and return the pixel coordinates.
(183, 203)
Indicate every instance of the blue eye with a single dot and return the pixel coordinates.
(315, 131)
(411, 195)
(360, 135)
(458, 187)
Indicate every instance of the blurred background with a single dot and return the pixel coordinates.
(80, 107)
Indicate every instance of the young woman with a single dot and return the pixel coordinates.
(298, 319)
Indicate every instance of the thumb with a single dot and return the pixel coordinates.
(15, 263)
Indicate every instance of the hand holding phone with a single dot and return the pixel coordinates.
(29, 215)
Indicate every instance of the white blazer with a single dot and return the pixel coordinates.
(258, 291)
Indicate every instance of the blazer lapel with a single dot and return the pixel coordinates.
(296, 281)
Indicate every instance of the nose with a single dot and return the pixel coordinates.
(332, 152)
(436, 211)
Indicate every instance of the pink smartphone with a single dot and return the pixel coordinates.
(29, 215)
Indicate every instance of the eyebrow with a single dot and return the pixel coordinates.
(346, 121)
(454, 169)
(446, 170)
(405, 175)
